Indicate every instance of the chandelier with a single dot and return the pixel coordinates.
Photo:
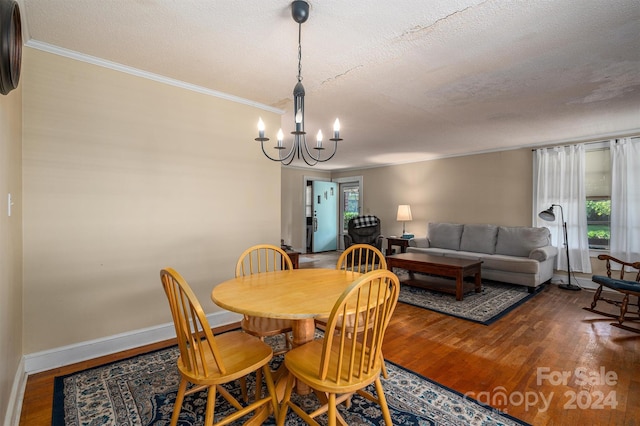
(299, 148)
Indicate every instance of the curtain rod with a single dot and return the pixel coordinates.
(591, 142)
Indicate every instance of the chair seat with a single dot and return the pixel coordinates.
(242, 354)
(616, 284)
(263, 327)
(303, 363)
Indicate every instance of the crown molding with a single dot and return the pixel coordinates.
(55, 50)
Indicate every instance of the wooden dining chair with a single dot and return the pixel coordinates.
(361, 258)
(209, 362)
(343, 363)
(265, 258)
(622, 286)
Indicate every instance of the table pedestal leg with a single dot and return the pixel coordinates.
(304, 331)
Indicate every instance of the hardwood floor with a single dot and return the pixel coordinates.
(520, 358)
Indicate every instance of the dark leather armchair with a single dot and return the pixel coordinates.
(364, 230)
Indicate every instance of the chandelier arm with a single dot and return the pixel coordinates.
(302, 141)
(306, 148)
(318, 159)
(335, 149)
(281, 159)
(287, 160)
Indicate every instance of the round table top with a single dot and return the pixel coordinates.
(292, 294)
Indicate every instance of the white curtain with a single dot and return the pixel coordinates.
(625, 199)
(559, 180)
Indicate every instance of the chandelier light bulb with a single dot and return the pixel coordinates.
(299, 116)
(280, 137)
(336, 129)
(319, 139)
(260, 128)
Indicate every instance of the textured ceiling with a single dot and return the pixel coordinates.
(410, 79)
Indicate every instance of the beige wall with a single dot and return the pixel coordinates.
(494, 188)
(485, 188)
(10, 243)
(124, 176)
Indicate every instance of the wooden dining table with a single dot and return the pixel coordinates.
(301, 295)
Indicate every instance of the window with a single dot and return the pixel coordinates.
(598, 192)
(350, 203)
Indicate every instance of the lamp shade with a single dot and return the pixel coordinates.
(547, 214)
(404, 213)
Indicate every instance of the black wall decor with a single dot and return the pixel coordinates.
(10, 45)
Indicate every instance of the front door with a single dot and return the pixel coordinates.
(325, 216)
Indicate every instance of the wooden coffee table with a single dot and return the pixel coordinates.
(440, 266)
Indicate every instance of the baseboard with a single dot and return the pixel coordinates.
(66, 355)
(14, 408)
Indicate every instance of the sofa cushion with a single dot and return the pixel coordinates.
(445, 235)
(430, 250)
(520, 240)
(521, 265)
(479, 238)
(466, 255)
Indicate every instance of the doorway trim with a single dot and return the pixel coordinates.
(303, 211)
(305, 182)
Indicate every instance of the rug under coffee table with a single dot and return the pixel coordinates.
(437, 267)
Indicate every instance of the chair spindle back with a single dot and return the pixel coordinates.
(352, 350)
(361, 258)
(195, 338)
(262, 258)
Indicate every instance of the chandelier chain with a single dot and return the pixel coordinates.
(299, 52)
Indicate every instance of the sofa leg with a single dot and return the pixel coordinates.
(531, 290)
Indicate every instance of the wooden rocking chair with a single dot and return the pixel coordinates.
(627, 287)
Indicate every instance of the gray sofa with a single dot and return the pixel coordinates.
(512, 254)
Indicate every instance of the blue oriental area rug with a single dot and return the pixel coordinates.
(142, 390)
(495, 301)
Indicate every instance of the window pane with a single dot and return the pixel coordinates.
(599, 222)
(351, 198)
(598, 173)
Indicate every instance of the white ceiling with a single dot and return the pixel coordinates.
(410, 79)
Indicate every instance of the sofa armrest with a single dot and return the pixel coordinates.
(419, 242)
(543, 253)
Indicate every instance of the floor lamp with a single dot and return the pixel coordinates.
(550, 216)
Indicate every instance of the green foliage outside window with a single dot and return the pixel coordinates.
(598, 210)
(599, 219)
(349, 215)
